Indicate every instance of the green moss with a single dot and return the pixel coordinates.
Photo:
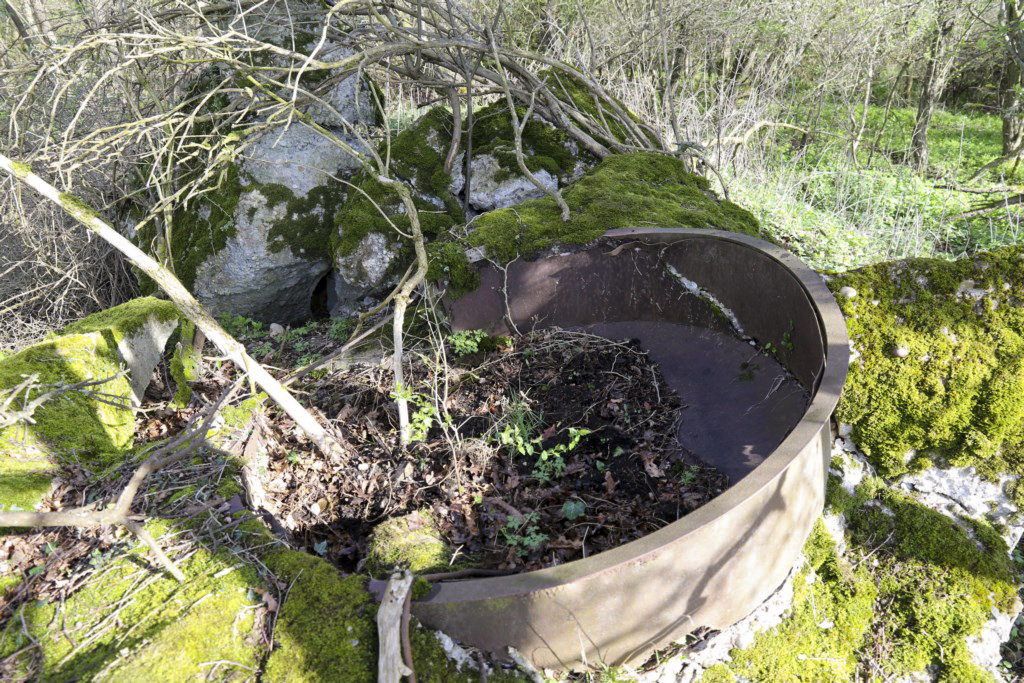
(203, 227)
(77, 208)
(800, 648)
(632, 190)
(448, 262)
(73, 424)
(938, 584)
(168, 631)
(8, 583)
(360, 216)
(411, 542)
(185, 363)
(326, 630)
(25, 473)
(237, 417)
(308, 221)
(545, 148)
(919, 586)
(956, 393)
(125, 319)
(418, 155)
(22, 170)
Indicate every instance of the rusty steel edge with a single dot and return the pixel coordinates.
(517, 610)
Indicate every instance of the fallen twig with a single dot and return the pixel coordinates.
(390, 667)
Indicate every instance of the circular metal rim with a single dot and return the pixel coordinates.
(819, 411)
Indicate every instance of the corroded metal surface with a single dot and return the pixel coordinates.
(715, 565)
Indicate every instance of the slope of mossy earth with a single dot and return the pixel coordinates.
(938, 373)
(903, 599)
(629, 190)
(248, 604)
(94, 431)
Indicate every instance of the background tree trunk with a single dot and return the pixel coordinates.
(1011, 92)
(935, 77)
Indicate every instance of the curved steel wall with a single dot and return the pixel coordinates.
(712, 567)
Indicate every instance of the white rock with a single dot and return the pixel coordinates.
(847, 292)
(246, 277)
(298, 158)
(142, 351)
(956, 491)
(276, 330)
(360, 272)
(487, 192)
(984, 648)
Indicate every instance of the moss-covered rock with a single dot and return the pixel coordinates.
(252, 238)
(912, 588)
(131, 622)
(326, 631)
(94, 430)
(800, 648)
(939, 362)
(630, 190)
(411, 542)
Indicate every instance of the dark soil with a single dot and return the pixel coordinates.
(542, 449)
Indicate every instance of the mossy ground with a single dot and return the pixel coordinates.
(172, 631)
(630, 190)
(905, 597)
(955, 395)
(131, 622)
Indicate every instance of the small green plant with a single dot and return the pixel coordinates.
(292, 457)
(421, 419)
(239, 326)
(342, 328)
(523, 534)
(550, 463)
(688, 474)
(573, 509)
(466, 342)
(262, 349)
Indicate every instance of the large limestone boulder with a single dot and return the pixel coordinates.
(496, 181)
(256, 242)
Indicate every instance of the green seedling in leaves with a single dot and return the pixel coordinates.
(688, 475)
(523, 534)
(466, 342)
(550, 464)
(342, 328)
(239, 326)
(573, 509)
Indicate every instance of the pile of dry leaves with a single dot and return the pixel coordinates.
(528, 452)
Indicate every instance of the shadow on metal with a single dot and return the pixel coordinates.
(712, 567)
